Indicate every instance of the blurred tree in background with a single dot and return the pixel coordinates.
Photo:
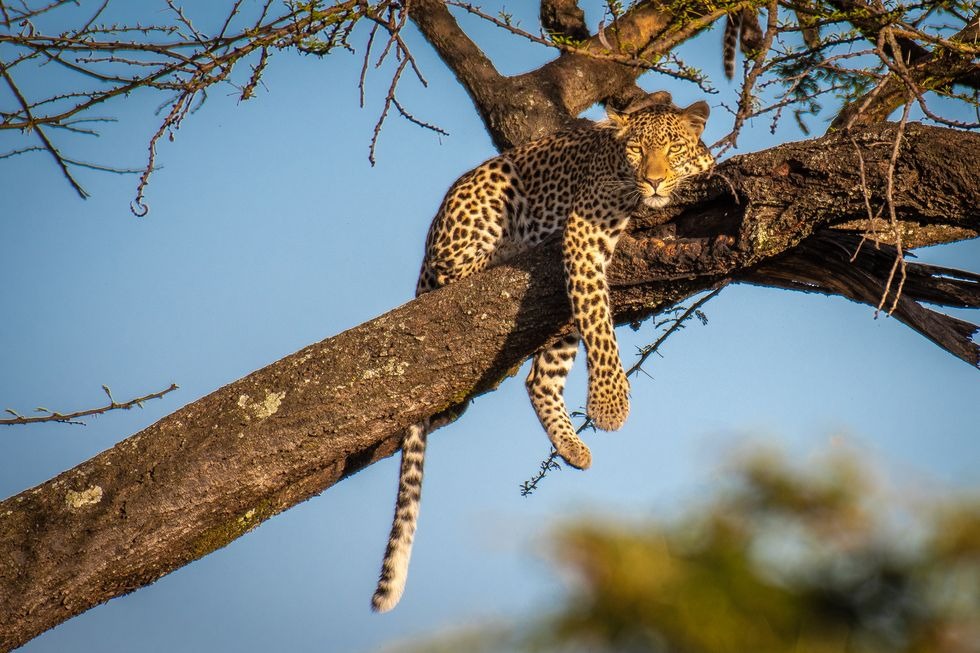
(782, 559)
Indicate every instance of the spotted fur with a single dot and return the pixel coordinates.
(583, 184)
(394, 569)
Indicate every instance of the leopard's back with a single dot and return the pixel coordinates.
(506, 205)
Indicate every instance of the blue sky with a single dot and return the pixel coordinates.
(269, 230)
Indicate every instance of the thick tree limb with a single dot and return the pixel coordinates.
(213, 470)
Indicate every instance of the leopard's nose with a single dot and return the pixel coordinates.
(654, 182)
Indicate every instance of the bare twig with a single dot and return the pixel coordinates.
(48, 145)
(393, 23)
(866, 192)
(899, 263)
(746, 96)
(676, 325)
(72, 418)
(124, 58)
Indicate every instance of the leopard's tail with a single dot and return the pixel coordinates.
(394, 568)
(733, 24)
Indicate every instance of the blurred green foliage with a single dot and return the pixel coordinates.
(781, 560)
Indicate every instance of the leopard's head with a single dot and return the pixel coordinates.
(662, 144)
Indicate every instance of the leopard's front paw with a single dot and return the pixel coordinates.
(609, 402)
(573, 451)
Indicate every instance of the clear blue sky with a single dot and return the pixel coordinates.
(269, 230)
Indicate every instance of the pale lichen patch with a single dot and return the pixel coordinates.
(392, 367)
(264, 408)
(87, 497)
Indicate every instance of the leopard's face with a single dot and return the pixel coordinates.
(663, 146)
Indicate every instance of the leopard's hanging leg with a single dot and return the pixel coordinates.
(586, 249)
(545, 385)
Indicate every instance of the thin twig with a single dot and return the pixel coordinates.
(866, 192)
(49, 146)
(72, 418)
(758, 66)
(678, 323)
(899, 263)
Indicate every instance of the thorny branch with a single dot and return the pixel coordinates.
(110, 60)
(648, 59)
(177, 58)
(48, 145)
(72, 418)
(869, 82)
(393, 22)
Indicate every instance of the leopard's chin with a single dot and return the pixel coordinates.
(656, 201)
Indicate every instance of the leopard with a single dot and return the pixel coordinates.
(582, 184)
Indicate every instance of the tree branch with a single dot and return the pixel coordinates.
(834, 263)
(926, 71)
(474, 71)
(519, 109)
(564, 18)
(31, 123)
(71, 418)
(213, 470)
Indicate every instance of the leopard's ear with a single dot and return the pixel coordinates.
(620, 117)
(696, 116)
(649, 100)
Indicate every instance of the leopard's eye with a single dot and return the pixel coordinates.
(675, 148)
(635, 150)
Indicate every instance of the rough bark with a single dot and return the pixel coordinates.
(215, 469)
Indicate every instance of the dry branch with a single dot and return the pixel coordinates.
(109, 61)
(213, 470)
(914, 70)
(74, 417)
